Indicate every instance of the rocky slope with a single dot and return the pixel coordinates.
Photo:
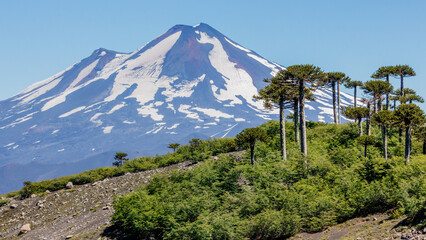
(81, 212)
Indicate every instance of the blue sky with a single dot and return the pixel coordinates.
(41, 38)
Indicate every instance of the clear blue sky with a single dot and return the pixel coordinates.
(41, 38)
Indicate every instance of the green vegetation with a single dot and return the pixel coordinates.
(198, 150)
(228, 198)
(4, 202)
(119, 158)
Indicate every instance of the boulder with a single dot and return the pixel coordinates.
(13, 206)
(25, 228)
(69, 185)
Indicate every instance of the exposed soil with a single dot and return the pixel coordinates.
(378, 227)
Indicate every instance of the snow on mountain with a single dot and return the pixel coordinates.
(191, 82)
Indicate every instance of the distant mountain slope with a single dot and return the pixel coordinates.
(190, 82)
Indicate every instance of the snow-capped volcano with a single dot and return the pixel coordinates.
(191, 82)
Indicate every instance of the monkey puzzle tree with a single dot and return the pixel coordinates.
(384, 119)
(356, 113)
(403, 71)
(333, 79)
(304, 74)
(384, 73)
(377, 88)
(248, 138)
(353, 84)
(119, 159)
(280, 91)
(408, 116)
(366, 140)
(409, 97)
(174, 146)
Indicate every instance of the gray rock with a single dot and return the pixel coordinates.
(25, 228)
(13, 206)
(69, 185)
(68, 237)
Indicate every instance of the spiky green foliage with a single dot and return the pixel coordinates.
(356, 113)
(402, 71)
(354, 84)
(377, 88)
(410, 96)
(366, 140)
(173, 146)
(408, 116)
(384, 73)
(384, 119)
(248, 138)
(119, 158)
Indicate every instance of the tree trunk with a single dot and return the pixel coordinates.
(402, 85)
(379, 104)
(387, 95)
(394, 104)
(385, 142)
(407, 144)
(424, 146)
(368, 120)
(282, 129)
(333, 89)
(296, 120)
(338, 101)
(355, 100)
(360, 126)
(303, 144)
(374, 105)
(252, 153)
(365, 151)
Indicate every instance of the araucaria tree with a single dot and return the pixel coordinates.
(384, 119)
(408, 116)
(403, 71)
(119, 158)
(365, 141)
(334, 79)
(377, 88)
(174, 146)
(353, 84)
(384, 73)
(280, 91)
(248, 138)
(356, 113)
(304, 74)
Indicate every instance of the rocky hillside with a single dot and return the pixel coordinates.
(79, 212)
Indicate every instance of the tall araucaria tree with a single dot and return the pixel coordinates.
(408, 116)
(353, 84)
(356, 113)
(377, 88)
(333, 80)
(384, 73)
(410, 96)
(305, 74)
(248, 138)
(403, 71)
(384, 119)
(280, 91)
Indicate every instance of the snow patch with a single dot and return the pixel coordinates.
(107, 129)
(213, 112)
(128, 122)
(266, 63)
(55, 131)
(72, 112)
(61, 150)
(237, 46)
(83, 73)
(117, 107)
(183, 108)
